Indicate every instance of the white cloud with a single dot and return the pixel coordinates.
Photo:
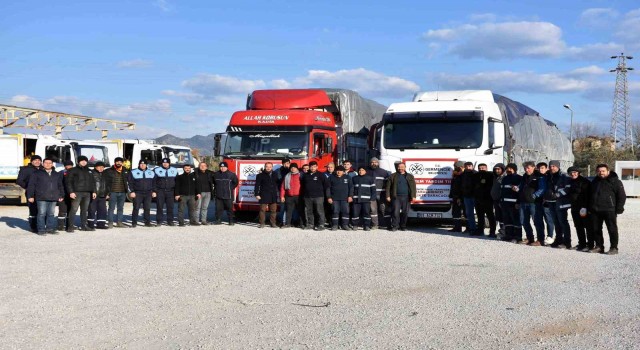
(587, 71)
(501, 40)
(163, 5)
(26, 101)
(629, 30)
(594, 52)
(483, 17)
(598, 17)
(508, 81)
(216, 89)
(135, 63)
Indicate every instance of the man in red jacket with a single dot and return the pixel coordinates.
(290, 194)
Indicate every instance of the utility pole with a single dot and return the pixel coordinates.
(621, 127)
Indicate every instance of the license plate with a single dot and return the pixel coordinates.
(430, 215)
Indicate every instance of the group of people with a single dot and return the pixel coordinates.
(337, 198)
(543, 194)
(99, 194)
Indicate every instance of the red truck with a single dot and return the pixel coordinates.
(322, 125)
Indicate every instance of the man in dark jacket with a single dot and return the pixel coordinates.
(558, 194)
(510, 206)
(225, 186)
(82, 189)
(187, 193)
(266, 192)
(282, 172)
(164, 185)
(467, 186)
(204, 180)
(380, 215)
(496, 189)
(65, 205)
(140, 183)
(531, 190)
(364, 188)
(45, 189)
(455, 193)
(339, 196)
(314, 187)
(98, 206)
(483, 202)
(607, 199)
(401, 191)
(579, 194)
(23, 181)
(117, 178)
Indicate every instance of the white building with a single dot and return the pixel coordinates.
(629, 173)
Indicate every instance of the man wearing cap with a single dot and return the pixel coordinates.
(379, 210)
(204, 180)
(532, 188)
(607, 199)
(314, 187)
(401, 191)
(455, 193)
(483, 182)
(282, 172)
(140, 183)
(23, 181)
(45, 189)
(65, 205)
(82, 189)
(340, 194)
(557, 197)
(225, 186)
(543, 210)
(266, 192)
(467, 186)
(580, 187)
(290, 191)
(164, 184)
(187, 193)
(98, 205)
(117, 182)
(364, 188)
(510, 205)
(496, 189)
(330, 170)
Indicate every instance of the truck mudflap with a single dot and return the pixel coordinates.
(433, 183)
(12, 191)
(247, 171)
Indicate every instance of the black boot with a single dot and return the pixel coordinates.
(62, 224)
(33, 225)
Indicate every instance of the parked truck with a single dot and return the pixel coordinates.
(322, 125)
(135, 150)
(439, 128)
(17, 149)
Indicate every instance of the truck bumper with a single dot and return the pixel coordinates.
(12, 191)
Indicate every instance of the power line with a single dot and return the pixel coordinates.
(621, 127)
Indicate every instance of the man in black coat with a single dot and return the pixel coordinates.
(204, 180)
(282, 172)
(45, 189)
(484, 203)
(510, 204)
(98, 206)
(364, 188)
(314, 188)
(580, 187)
(82, 189)
(65, 205)
(467, 187)
(607, 199)
(401, 192)
(266, 192)
(23, 181)
(187, 193)
(140, 183)
(225, 186)
(339, 196)
(455, 193)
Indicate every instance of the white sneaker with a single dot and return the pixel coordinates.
(549, 240)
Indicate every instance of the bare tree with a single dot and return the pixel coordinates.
(582, 130)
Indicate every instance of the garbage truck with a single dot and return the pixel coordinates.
(439, 128)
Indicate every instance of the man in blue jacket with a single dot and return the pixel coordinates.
(364, 189)
(340, 194)
(225, 186)
(140, 183)
(510, 204)
(164, 184)
(46, 190)
(531, 190)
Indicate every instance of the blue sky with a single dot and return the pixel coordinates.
(183, 67)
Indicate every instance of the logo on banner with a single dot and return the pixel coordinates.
(249, 171)
(416, 169)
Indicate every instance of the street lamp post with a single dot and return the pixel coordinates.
(571, 127)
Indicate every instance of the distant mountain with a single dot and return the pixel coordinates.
(204, 144)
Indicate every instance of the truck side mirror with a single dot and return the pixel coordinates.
(216, 144)
(496, 133)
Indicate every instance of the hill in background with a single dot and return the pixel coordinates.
(204, 144)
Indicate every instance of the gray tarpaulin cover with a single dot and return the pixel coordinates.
(534, 138)
(357, 112)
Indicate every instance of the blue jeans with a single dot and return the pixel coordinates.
(563, 229)
(549, 214)
(116, 198)
(46, 215)
(469, 205)
(527, 212)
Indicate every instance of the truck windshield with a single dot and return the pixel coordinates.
(272, 144)
(178, 156)
(433, 134)
(94, 153)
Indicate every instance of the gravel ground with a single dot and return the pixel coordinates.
(241, 287)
